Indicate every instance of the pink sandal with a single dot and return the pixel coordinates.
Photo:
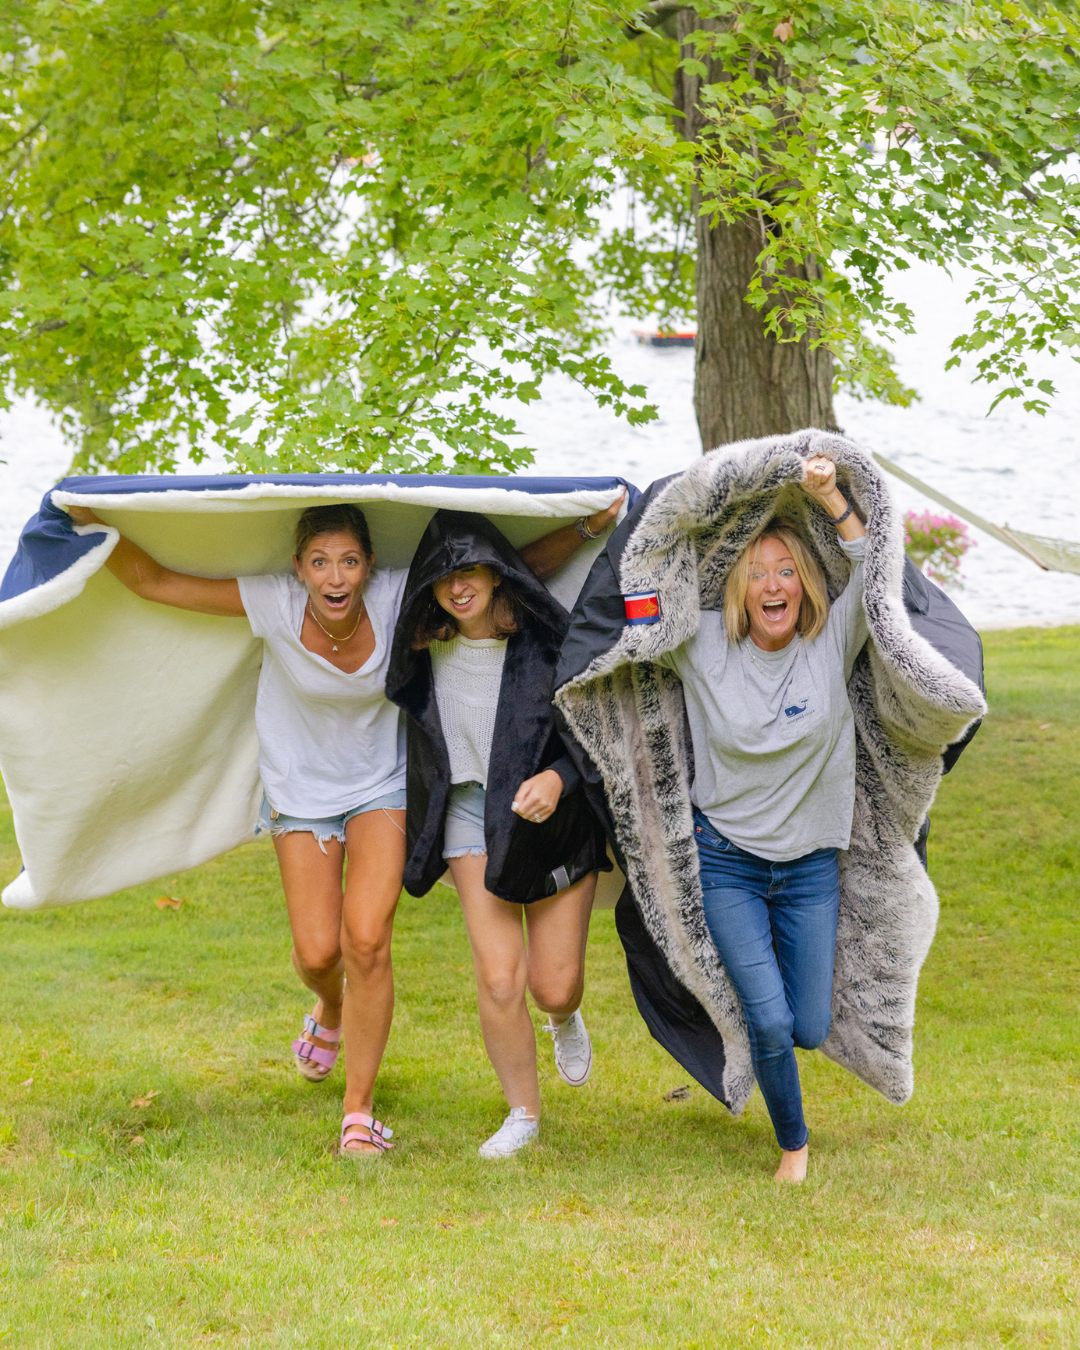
(313, 1062)
(358, 1128)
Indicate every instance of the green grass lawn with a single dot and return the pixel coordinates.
(217, 1212)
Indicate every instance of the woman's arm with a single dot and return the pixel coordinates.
(546, 555)
(148, 579)
(819, 482)
(847, 616)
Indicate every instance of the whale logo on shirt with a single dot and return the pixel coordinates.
(796, 708)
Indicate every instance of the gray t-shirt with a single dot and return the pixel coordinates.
(773, 734)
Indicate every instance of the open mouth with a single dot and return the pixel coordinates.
(774, 610)
(463, 603)
(337, 600)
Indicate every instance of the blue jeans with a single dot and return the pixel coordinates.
(774, 925)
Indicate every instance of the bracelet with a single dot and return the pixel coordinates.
(582, 527)
(839, 520)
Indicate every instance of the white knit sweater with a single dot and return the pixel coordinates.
(468, 676)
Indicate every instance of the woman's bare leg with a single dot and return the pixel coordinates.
(501, 965)
(375, 844)
(558, 930)
(311, 878)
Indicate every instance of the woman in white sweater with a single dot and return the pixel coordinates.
(493, 795)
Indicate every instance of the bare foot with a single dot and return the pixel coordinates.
(792, 1165)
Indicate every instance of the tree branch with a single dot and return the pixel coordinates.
(26, 134)
(50, 326)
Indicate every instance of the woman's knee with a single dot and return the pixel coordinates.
(556, 993)
(364, 948)
(316, 959)
(773, 1035)
(811, 1031)
(502, 988)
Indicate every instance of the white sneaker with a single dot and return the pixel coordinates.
(513, 1134)
(573, 1050)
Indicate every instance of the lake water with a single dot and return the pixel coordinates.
(1013, 468)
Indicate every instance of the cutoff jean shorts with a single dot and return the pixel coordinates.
(324, 827)
(463, 833)
(774, 926)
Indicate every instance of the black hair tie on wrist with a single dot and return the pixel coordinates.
(839, 520)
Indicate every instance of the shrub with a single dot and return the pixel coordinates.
(936, 544)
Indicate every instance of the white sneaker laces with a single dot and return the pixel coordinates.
(570, 1036)
(514, 1133)
(573, 1049)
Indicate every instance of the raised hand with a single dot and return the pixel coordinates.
(819, 477)
(819, 482)
(600, 520)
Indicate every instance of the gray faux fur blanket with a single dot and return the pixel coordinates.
(908, 702)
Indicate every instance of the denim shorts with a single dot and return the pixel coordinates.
(464, 827)
(324, 827)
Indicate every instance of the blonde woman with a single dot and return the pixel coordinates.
(765, 684)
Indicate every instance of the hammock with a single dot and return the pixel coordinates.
(1052, 555)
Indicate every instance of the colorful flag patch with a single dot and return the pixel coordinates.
(642, 607)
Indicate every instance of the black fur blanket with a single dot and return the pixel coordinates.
(909, 703)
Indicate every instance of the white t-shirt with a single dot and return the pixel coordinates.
(328, 742)
(468, 679)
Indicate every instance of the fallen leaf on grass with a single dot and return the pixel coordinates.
(145, 1101)
(1046, 726)
(678, 1094)
(388, 1223)
(27, 1083)
(136, 1139)
(170, 901)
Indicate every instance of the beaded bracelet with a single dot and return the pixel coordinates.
(839, 520)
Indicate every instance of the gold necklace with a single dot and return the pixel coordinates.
(335, 640)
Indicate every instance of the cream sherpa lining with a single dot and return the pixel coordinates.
(127, 736)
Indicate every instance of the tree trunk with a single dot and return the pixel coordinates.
(746, 383)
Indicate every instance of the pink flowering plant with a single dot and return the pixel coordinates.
(936, 544)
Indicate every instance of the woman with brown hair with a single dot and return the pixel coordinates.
(332, 763)
(493, 795)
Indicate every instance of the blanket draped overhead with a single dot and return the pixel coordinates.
(627, 712)
(127, 730)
